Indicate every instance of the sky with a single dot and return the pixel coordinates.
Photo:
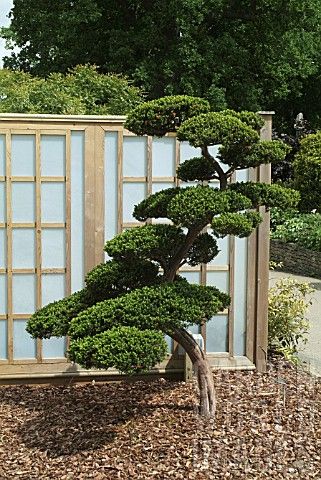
(5, 7)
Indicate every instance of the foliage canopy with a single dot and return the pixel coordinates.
(82, 91)
(249, 54)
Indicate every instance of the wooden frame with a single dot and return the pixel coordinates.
(94, 128)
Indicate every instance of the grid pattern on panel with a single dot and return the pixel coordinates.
(37, 232)
(146, 165)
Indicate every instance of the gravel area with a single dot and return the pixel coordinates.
(268, 426)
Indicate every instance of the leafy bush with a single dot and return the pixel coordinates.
(81, 91)
(288, 327)
(303, 229)
(307, 173)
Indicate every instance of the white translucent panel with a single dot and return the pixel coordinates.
(187, 151)
(135, 157)
(24, 293)
(195, 329)
(242, 175)
(53, 202)
(2, 202)
(214, 184)
(191, 277)
(223, 256)
(3, 339)
(240, 294)
(2, 155)
(53, 287)
(53, 247)
(217, 334)
(164, 153)
(133, 193)
(170, 343)
(219, 280)
(23, 248)
(77, 210)
(53, 347)
(111, 184)
(23, 202)
(53, 155)
(24, 346)
(3, 248)
(3, 294)
(23, 155)
(157, 187)
(214, 150)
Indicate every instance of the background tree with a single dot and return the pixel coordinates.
(130, 302)
(81, 91)
(244, 54)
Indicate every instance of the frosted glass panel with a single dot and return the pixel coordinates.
(170, 343)
(135, 157)
(133, 193)
(77, 210)
(3, 294)
(2, 202)
(24, 293)
(53, 287)
(157, 187)
(217, 334)
(23, 155)
(53, 202)
(3, 340)
(191, 277)
(219, 280)
(3, 248)
(242, 175)
(23, 248)
(23, 202)
(187, 151)
(164, 157)
(53, 155)
(2, 155)
(240, 293)
(194, 329)
(53, 248)
(223, 257)
(53, 347)
(111, 185)
(24, 346)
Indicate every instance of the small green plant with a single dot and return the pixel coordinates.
(307, 173)
(303, 229)
(288, 326)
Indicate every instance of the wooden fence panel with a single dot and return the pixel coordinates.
(67, 186)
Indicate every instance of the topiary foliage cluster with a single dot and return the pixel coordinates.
(130, 302)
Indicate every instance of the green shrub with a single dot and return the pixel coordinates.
(307, 173)
(303, 229)
(288, 327)
(81, 91)
(165, 114)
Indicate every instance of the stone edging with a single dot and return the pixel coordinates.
(296, 259)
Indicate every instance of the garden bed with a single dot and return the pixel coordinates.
(267, 426)
(296, 259)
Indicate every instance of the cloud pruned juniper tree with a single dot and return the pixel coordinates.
(119, 319)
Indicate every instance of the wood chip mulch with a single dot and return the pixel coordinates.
(268, 426)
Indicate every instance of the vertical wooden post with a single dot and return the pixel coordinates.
(94, 196)
(263, 249)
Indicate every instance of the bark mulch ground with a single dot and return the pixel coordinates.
(268, 426)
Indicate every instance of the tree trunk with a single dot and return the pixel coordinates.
(202, 370)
